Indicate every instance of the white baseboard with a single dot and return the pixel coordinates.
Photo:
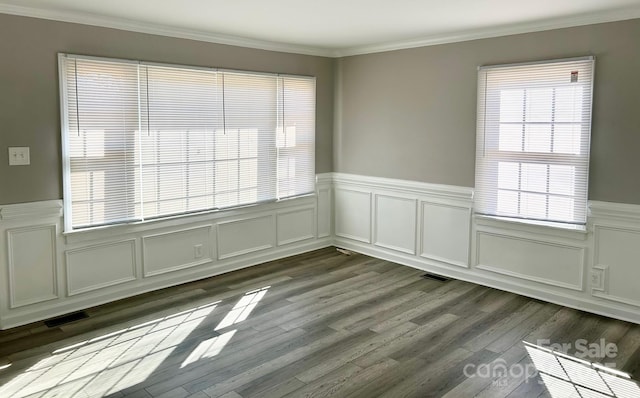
(47, 273)
(592, 305)
(110, 294)
(593, 269)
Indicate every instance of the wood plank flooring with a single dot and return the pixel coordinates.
(322, 324)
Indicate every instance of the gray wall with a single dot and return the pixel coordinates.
(29, 100)
(406, 114)
(410, 114)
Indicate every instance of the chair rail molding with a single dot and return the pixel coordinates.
(18, 211)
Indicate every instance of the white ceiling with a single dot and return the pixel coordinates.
(329, 27)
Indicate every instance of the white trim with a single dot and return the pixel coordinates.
(486, 33)
(146, 273)
(130, 280)
(270, 245)
(485, 267)
(571, 291)
(405, 186)
(324, 179)
(551, 294)
(99, 297)
(422, 253)
(177, 267)
(531, 278)
(173, 66)
(602, 291)
(532, 228)
(64, 140)
(159, 29)
(13, 302)
(474, 34)
(617, 211)
(329, 214)
(46, 208)
(72, 292)
(606, 296)
(544, 62)
(312, 235)
(104, 232)
(360, 190)
(374, 222)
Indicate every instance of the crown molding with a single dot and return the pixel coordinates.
(158, 29)
(530, 27)
(164, 30)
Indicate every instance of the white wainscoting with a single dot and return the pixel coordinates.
(176, 250)
(295, 225)
(245, 235)
(47, 273)
(353, 214)
(325, 205)
(421, 220)
(616, 255)
(32, 265)
(99, 266)
(394, 221)
(445, 230)
(432, 227)
(531, 260)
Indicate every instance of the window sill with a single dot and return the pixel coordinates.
(570, 231)
(208, 216)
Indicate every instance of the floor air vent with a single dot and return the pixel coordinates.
(345, 251)
(62, 320)
(435, 277)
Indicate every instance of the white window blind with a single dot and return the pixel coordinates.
(143, 141)
(295, 136)
(533, 136)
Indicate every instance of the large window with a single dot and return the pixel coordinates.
(143, 141)
(533, 129)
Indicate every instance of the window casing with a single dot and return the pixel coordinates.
(533, 136)
(143, 141)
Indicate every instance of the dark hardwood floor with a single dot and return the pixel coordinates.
(324, 324)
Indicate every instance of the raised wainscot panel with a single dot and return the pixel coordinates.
(295, 225)
(617, 256)
(324, 212)
(395, 223)
(537, 261)
(445, 232)
(175, 250)
(32, 265)
(353, 214)
(242, 236)
(96, 267)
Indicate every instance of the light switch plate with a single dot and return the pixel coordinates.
(19, 156)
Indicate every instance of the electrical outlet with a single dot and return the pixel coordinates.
(19, 156)
(599, 278)
(197, 251)
(596, 279)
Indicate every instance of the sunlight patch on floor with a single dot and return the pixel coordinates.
(568, 377)
(243, 308)
(110, 362)
(209, 348)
